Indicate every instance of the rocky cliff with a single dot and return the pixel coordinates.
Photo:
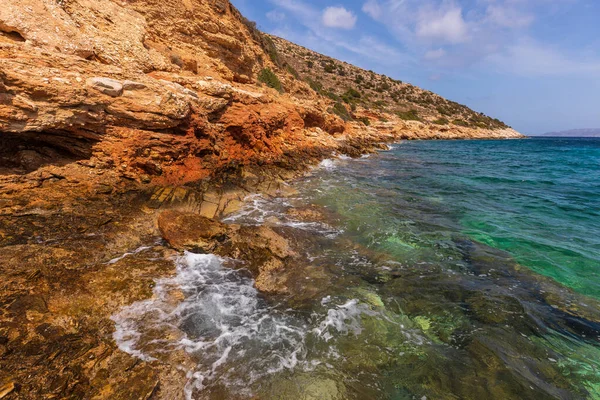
(111, 111)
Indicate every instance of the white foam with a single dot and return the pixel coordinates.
(344, 319)
(328, 164)
(221, 321)
(215, 315)
(258, 210)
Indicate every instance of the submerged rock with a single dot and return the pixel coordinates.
(307, 387)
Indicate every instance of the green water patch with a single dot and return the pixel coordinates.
(558, 261)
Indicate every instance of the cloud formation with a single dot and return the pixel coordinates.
(445, 26)
(338, 17)
(327, 32)
(457, 34)
(275, 16)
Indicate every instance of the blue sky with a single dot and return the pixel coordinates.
(535, 64)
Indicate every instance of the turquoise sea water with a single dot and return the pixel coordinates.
(538, 199)
(435, 270)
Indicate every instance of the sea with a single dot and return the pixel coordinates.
(438, 270)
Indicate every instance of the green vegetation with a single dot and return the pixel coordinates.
(271, 50)
(441, 121)
(333, 96)
(341, 111)
(460, 122)
(315, 85)
(269, 78)
(310, 64)
(411, 115)
(292, 71)
(329, 68)
(380, 104)
(263, 40)
(351, 97)
(366, 121)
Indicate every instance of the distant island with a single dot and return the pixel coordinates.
(575, 133)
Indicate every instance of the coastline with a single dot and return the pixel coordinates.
(64, 279)
(286, 281)
(104, 129)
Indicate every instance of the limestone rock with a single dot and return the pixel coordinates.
(132, 85)
(107, 86)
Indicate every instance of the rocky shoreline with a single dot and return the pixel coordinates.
(67, 268)
(64, 237)
(120, 124)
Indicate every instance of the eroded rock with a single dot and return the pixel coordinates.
(262, 251)
(192, 232)
(107, 86)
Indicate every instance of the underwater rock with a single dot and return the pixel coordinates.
(306, 387)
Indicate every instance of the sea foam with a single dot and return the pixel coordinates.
(215, 315)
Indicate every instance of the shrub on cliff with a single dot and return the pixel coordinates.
(340, 110)
(292, 71)
(315, 85)
(352, 93)
(269, 78)
(330, 68)
(366, 121)
(441, 121)
(263, 40)
(411, 115)
(460, 122)
(351, 96)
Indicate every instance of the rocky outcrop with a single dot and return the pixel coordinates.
(261, 250)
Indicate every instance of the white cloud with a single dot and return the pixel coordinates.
(455, 34)
(447, 26)
(372, 8)
(338, 17)
(331, 41)
(275, 16)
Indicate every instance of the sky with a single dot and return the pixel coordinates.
(535, 64)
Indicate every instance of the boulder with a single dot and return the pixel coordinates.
(261, 250)
(192, 232)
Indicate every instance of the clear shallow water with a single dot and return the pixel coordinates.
(425, 279)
